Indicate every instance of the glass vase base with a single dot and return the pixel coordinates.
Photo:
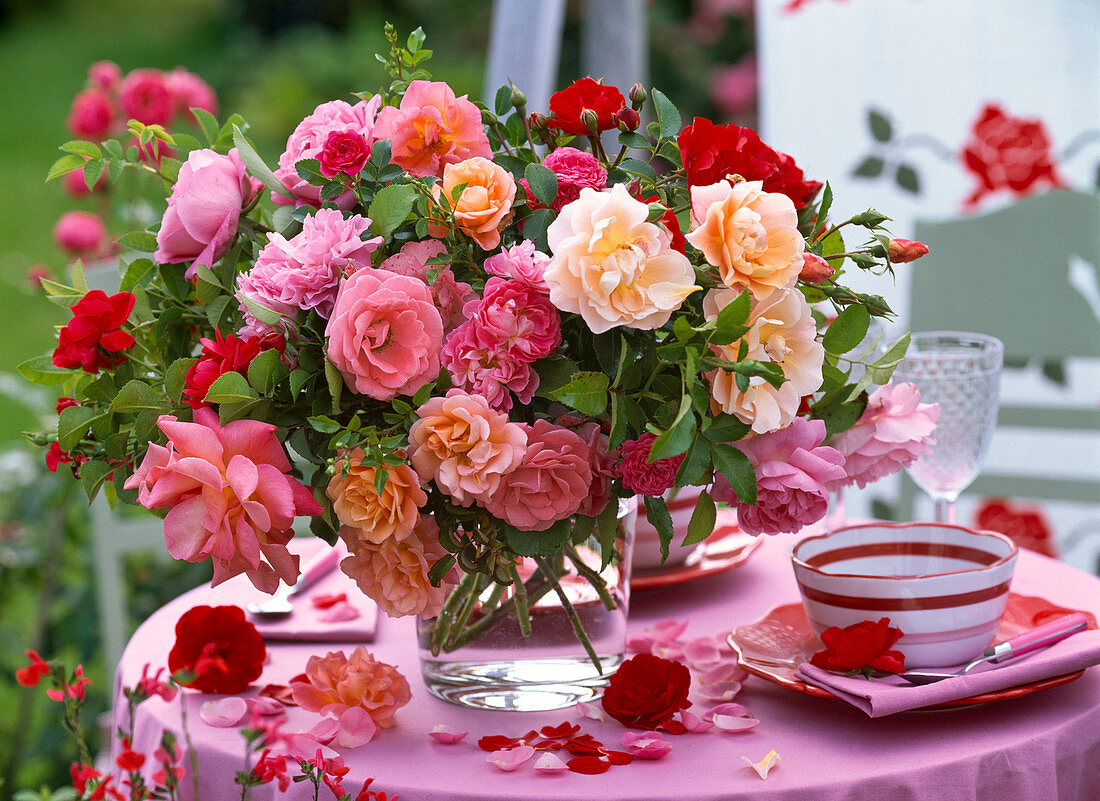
(529, 685)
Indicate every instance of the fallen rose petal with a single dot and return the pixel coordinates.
(730, 723)
(590, 765)
(702, 653)
(671, 652)
(448, 735)
(279, 692)
(646, 745)
(591, 711)
(324, 731)
(550, 763)
(726, 671)
(265, 706)
(619, 757)
(673, 727)
(720, 692)
(340, 613)
(730, 710)
(668, 630)
(301, 742)
(640, 644)
(224, 712)
(694, 723)
(498, 742)
(565, 729)
(357, 728)
(324, 601)
(764, 766)
(512, 758)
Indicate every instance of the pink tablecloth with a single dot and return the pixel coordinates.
(1040, 747)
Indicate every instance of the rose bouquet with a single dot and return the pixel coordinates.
(456, 335)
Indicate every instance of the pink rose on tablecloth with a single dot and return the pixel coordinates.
(229, 496)
(432, 128)
(189, 91)
(642, 476)
(80, 233)
(479, 367)
(794, 475)
(304, 272)
(385, 334)
(550, 482)
(892, 432)
(465, 446)
(517, 318)
(450, 295)
(203, 209)
(308, 141)
(521, 262)
(394, 573)
(575, 169)
(92, 115)
(144, 96)
(391, 513)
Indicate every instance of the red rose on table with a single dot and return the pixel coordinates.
(1025, 526)
(219, 647)
(344, 151)
(94, 338)
(221, 356)
(862, 646)
(1006, 152)
(567, 106)
(711, 152)
(647, 691)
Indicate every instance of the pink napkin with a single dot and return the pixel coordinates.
(885, 696)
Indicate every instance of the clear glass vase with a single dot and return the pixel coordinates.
(477, 653)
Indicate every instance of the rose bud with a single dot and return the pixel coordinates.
(815, 269)
(590, 120)
(637, 96)
(105, 74)
(627, 119)
(80, 232)
(537, 121)
(906, 250)
(519, 99)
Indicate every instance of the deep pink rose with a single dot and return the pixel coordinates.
(201, 219)
(642, 476)
(575, 169)
(521, 262)
(481, 368)
(80, 233)
(189, 91)
(145, 97)
(92, 115)
(450, 295)
(794, 475)
(105, 75)
(385, 334)
(229, 496)
(516, 318)
(602, 464)
(892, 432)
(550, 483)
(344, 152)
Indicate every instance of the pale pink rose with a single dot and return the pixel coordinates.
(794, 476)
(450, 294)
(782, 331)
(485, 204)
(385, 334)
(393, 513)
(481, 368)
(92, 115)
(308, 140)
(336, 683)
(611, 266)
(203, 209)
(145, 97)
(642, 476)
(521, 262)
(229, 496)
(105, 75)
(80, 233)
(750, 235)
(892, 432)
(733, 87)
(304, 272)
(464, 446)
(548, 485)
(516, 318)
(575, 170)
(189, 91)
(394, 573)
(432, 128)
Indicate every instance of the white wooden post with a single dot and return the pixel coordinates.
(524, 46)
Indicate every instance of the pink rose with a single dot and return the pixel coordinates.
(229, 496)
(385, 334)
(642, 476)
(602, 464)
(92, 115)
(450, 294)
(145, 97)
(892, 432)
(794, 476)
(815, 269)
(432, 128)
(518, 319)
(189, 91)
(575, 169)
(521, 262)
(105, 75)
(308, 141)
(80, 233)
(344, 152)
(481, 368)
(549, 484)
(76, 185)
(903, 251)
(733, 87)
(201, 219)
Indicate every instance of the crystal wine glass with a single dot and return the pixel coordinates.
(962, 373)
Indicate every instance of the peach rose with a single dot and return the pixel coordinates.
(394, 573)
(464, 445)
(750, 235)
(484, 205)
(782, 332)
(612, 267)
(378, 516)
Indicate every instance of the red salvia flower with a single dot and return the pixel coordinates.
(30, 675)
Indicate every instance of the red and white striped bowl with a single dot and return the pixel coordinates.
(944, 586)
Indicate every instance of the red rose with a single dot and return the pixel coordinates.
(94, 338)
(221, 649)
(221, 356)
(646, 691)
(567, 106)
(1026, 526)
(711, 152)
(642, 476)
(1008, 153)
(861, 646)
(344, 151)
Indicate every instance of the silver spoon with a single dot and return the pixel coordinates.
(1032, 640)
(279, 605)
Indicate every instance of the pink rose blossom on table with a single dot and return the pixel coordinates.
(485, 204)
(308, 141)
(432, 128)
(203, 210)
(611, 266)
(516, 318)
(92, 115)
(391, 513)
(344, 152)
(794, 475)
(750, 235)
(782, 332)
(642, 476)
(892, 432)
(80, 233)
(549, 483)
(394, 573)
(575, 169)
(144, 96)
(450, 295)
(189, 91)
(479, 367)
(385, 334)
(465, 446)
(521, 262)
(229, 496)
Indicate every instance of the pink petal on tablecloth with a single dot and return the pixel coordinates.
(694, 723)
(646, 745)
(550, 763)
(732, 718)
(448, 735)
(725, 671)
(702, 653)
(224, 712)
(591, 711)
(324, 601)
(511, 758)
(265, 705)
(721, 692)
(356, 728)
(323, 731)
(339, 613)
(764, 766)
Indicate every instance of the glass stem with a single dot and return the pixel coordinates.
(943, 510)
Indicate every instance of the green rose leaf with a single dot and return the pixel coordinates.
(41, 370)
(847, 330)
(230, 388)
(136, 396)
(677, 438)
(737, 469)
(264, 372)
(730, 326)
(175, 378)
(656, 511)
(537, 543)
(585, 391)
(543, 183)
(390, 207)
(256, 164)
(702, 520)
(73, 424)
(667, 114)
(139, 240)
(92, 476)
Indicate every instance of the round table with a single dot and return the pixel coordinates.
(1039, 747)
